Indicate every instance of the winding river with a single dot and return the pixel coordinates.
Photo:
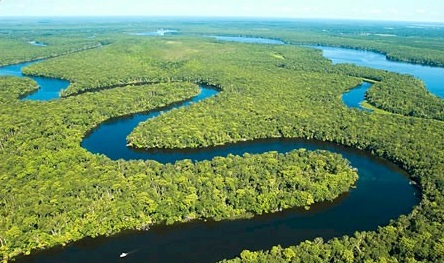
(49, 88)
(383, 193)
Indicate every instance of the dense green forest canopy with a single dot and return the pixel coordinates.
(53, 191)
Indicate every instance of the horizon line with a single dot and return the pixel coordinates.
(5, 17)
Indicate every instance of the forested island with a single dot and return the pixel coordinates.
(55, 192)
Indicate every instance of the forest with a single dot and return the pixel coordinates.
(55, 192)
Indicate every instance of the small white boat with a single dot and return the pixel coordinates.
(123, 255)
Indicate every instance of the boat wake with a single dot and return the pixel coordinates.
(124, 254)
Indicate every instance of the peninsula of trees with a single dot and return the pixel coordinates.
(55, 192)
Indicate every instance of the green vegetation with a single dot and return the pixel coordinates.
(59, 194)
(11, 88)
(411, 46)
(56, 47)
(91, 70)
(398, 41)
(396, 49)
(54, 192)
(411, 100)
(392, 92)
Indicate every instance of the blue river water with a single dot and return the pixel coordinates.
(49, 88)
(383, 192)
(354, 97)
(431, 76)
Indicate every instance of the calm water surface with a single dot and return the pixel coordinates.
(432, 76)
(354, 97)
(383, 193)
(49, 88)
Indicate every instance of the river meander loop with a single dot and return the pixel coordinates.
(382, 193)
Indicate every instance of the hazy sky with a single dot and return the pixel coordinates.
(404, 10)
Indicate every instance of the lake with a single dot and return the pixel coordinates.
(431, 76)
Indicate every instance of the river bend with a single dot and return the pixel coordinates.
(383, 193)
